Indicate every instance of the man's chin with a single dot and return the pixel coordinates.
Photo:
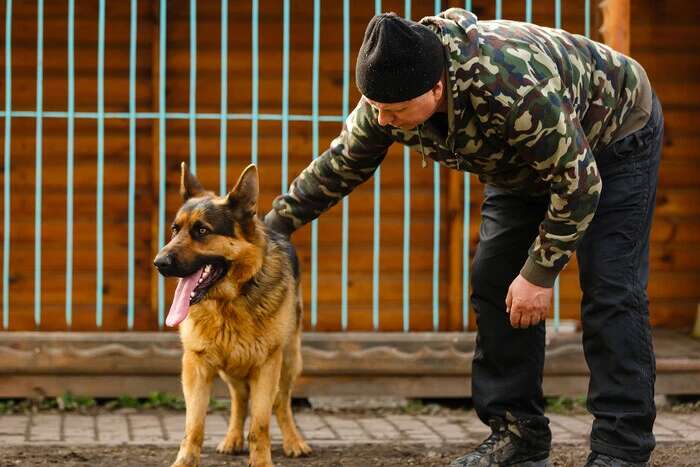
(405, 126)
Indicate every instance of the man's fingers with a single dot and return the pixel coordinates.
(509, 300)
(515, 317)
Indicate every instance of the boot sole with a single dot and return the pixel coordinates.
(540, 463)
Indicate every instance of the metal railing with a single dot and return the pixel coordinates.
(224, 116)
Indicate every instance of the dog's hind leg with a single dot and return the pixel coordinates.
(293, 442)
(196, 385)
(234, 439)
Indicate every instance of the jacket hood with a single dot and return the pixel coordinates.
(458, 31)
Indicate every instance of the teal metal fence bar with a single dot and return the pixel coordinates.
(406, 253)
(466, 236)
(193, 86)
(557, 14)
(285, 96)
(528, 11)
(376, 213)
(100, 159)
(6, 169)
(255, 92)
(587, 18)
(70, 136)
(38, 160)
(436, 231)
(314, 149)
(162, 44)
(132, 158)
(223, 108)
(346, 200)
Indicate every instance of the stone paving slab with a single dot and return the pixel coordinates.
(320, 429)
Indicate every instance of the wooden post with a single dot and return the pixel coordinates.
(455, 214)
(616, 24)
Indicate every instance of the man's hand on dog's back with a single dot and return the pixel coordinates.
(277, 224)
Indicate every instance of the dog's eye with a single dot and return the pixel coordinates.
(203, 231)
(174, 230)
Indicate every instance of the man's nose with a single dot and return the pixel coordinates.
(384, 118)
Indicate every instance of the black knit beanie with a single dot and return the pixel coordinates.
(398, 60)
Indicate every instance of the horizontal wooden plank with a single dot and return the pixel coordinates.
(410, 364)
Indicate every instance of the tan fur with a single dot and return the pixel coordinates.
(250, 336)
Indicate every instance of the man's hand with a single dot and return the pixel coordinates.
(527, 303)
(273, 223)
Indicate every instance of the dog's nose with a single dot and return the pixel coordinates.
(163, 262)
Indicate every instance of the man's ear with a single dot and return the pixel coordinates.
(439, 89)
(243, 199)
(189, 185)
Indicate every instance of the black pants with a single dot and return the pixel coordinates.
(613, 259)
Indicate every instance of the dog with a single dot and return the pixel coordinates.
(239, 308)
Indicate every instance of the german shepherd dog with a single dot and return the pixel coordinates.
(239, 308)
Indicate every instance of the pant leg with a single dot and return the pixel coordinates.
(508, 362)
(614, 268)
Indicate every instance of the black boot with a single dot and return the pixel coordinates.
(512, 443)
(602, 460)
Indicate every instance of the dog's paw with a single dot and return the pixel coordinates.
(296, 447)
(260, 463)
(186, 461)
(231, 444)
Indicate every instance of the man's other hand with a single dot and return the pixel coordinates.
(527, 303)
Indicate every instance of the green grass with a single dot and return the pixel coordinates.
(69, 402)
(565, 405)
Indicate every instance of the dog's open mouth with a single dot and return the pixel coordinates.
(192, 289)
(209, 275)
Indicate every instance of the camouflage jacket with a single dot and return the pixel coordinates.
(527, 107)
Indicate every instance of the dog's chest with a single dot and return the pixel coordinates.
(232, 349)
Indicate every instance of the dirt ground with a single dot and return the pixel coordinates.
(666, 455)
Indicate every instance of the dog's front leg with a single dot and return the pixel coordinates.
(263, 388)
(197, 378)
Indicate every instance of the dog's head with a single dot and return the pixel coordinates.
(213, 237)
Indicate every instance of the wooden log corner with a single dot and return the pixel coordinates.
(107, 364)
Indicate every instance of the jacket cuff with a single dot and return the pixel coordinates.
(279, 224)
(539, 275)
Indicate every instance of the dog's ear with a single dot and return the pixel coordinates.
(243, 199)
(189, 185)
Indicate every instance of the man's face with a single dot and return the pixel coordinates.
(409, 114)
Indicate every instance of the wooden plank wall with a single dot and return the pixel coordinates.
(662, 34)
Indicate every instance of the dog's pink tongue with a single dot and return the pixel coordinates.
(181, 301)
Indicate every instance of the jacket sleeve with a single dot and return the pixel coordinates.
(545, 131)
(350, 160)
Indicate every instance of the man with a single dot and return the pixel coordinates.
(566, 135)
